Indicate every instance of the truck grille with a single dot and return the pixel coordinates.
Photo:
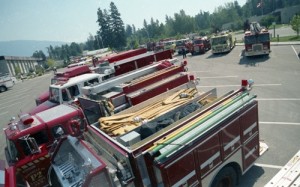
(257, 47)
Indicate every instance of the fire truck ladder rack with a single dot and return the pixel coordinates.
(199, 126)
(255, 27)
(89, 90)
(289, 175)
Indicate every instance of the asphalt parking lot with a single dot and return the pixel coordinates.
(276, 84)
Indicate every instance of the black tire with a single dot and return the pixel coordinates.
(3, 88)
(227, 177)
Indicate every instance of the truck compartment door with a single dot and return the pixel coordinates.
(208, 154)
(231, 138)
(249, 123)
(250, 152)
(181, 171)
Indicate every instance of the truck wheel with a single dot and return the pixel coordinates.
(227, 177)
(3, 88)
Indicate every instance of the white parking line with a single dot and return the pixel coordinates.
(13, 100)
(268, 166)
(295, 52)
(199, 71)
(278, 99)
(17, 103)
(238, 85)
(3, 113)
(279, 123)
(219, 77)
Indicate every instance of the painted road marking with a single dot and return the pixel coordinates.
(8, 102)
(295, 52)
(218, 77)
(278, 99)
(3, 113)
(279, 123)
(238, 85)
(268, 166)
(17, 103)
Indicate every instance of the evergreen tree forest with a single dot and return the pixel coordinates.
(113, 33)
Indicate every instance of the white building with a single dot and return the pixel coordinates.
(8, 64)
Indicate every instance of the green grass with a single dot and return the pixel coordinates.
(286, 39)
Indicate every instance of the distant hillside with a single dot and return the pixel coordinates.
(25, 47)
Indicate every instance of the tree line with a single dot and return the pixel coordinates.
(114, 34)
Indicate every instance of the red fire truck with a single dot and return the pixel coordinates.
(63, 76)
(105, 70)
(118, 56)
(179, 138)
(257, 40)
(30, 138)
(182, 43)
(200, 45)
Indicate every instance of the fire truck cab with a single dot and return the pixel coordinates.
(200, 45)
(222, 42)
(68, 91)
(257, 40)
(29, 139)
(63, 76)
(182, 43)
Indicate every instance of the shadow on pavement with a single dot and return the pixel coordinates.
(252, 60)
(218, 55)
(250, 178)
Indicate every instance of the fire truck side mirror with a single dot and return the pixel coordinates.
(59, 132)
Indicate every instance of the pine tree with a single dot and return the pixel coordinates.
(117, 27)
(104, 32)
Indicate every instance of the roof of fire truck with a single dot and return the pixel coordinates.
(75, 80)
(24, 126)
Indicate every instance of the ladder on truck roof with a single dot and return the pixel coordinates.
(115, 81)
(289, 175)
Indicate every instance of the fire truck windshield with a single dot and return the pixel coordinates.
(53, 81)
(219, 40)
(54, 95)
(198, 42)
(260, 38)
(179, 43)
(12, 152)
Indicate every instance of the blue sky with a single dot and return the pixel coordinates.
(74, 20)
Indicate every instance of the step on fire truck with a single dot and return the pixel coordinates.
(257, 40)
(179, 138)
(30, 138)
(222, 42)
